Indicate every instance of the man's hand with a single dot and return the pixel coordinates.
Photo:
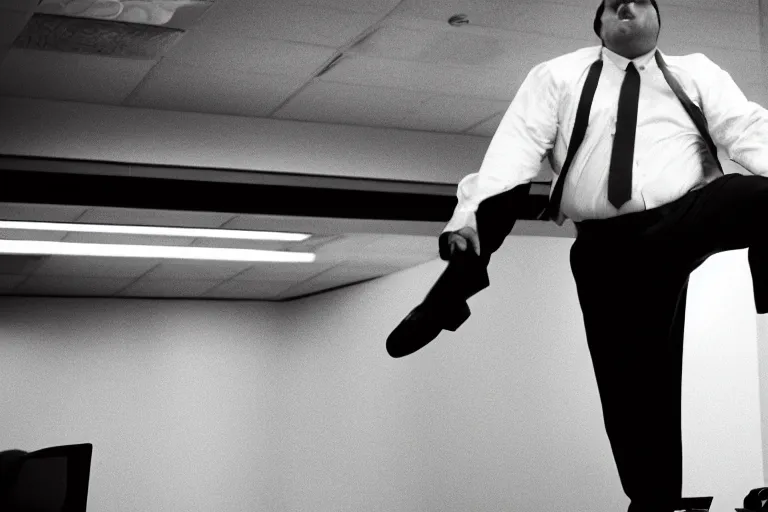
(459, 240)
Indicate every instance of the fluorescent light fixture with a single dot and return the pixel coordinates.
(155, 230)
(151, 251)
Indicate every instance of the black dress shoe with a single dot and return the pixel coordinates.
(444, 307)
(423, 324)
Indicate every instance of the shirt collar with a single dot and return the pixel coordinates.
(641, 62)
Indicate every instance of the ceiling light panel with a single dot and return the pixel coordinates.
(66, 34)
(232, 234)
(150, 251)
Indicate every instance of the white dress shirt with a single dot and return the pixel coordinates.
(671, 157)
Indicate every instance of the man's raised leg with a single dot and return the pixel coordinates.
(445, 306)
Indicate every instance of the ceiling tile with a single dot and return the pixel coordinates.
(169, 14)
(9, 282)
(308, 245)
(76, 286)
(741, 6)
(499, 84)
(330, 227)
(313, 242)
(743, 65)
(340, 275)
(550, 18)
(129, 216)
(344, 247)
(722, 27)
(405, 245)
(312, 287)
(112, 238)
(754, 91)
(487, 128)
(70, 77)
(266, 19)
(96, 266)
(432, 41)
(760, 97)
(31, 234)
(352, 104)
(98, 37)
(681, 25)
(20, 5)
(393, 260)
(209, 270)
(196, 89)
(20, 264)
(256, 290)
(261, 222)
(170, 288)
(186, 16)
(291, 272)
(263, 56)
(11, 24)
(40, 212)
(350, 271)
(748, 7)
(452, 114)
(372, 6)
(266, 245)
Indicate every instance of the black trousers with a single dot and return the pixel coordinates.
(632, 275)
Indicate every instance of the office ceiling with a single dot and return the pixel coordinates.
(381, 63)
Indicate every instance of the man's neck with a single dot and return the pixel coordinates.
(622, 61)
(631, 54)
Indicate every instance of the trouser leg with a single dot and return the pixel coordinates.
(637, 287)
(731, 213)
(758, 264)
(633, 303)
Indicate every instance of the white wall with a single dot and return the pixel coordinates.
(721, 384)
(505, 413)
(178, 398)
(297, 406)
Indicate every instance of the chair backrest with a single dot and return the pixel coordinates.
(695, 504)
(757, 499)
(52, 479)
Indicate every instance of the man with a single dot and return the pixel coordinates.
(631, 136)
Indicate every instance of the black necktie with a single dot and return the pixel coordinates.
(623, 156)
(582, 117)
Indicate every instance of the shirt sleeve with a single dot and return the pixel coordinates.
(735, 123)
(526, 133)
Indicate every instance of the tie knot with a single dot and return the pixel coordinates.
(631, 67)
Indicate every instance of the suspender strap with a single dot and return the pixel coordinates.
(695, 112)
(577, 137)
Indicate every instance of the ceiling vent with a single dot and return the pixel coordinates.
(167, 13)
(49, 32)
(129, 29)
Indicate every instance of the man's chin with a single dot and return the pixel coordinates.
(626, 30)
(635, 45)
